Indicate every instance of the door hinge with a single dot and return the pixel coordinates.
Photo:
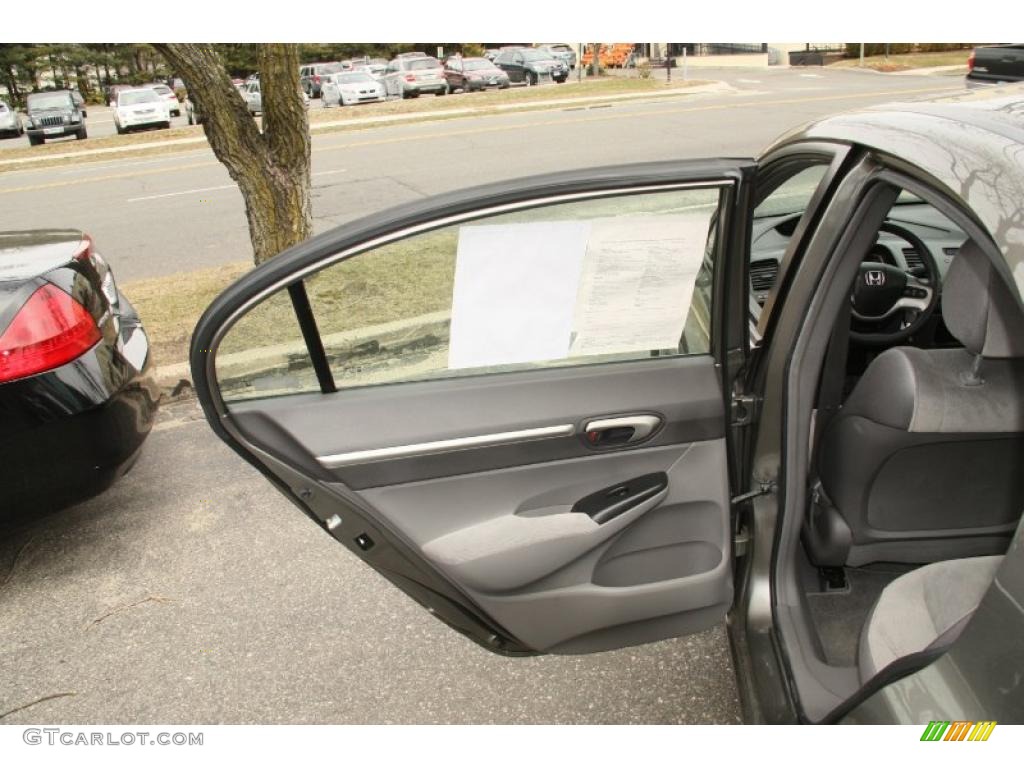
(745, 409)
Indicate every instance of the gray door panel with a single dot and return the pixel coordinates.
(683, 391)
(497, 519)
(555, 577)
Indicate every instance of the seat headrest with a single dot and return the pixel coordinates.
(979, 308)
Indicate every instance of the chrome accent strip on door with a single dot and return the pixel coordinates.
(338, 460)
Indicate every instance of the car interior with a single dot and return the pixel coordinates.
(916, 438)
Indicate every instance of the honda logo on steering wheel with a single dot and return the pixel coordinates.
(874, 277)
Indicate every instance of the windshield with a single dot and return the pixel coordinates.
(793, 195)
(354, 77)
(161, 89)
(472, 64)
(127, 98)
(59, 100)
(423, 63)
(535, 56)
(330, 69)
(3, 107)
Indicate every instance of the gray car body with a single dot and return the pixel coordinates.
(962, 147)
(965, 150)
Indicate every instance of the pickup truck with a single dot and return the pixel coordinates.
(994, 64)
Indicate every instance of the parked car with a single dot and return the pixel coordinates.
(165, 93)
(473, 74)
(376, 68)
(530, 66)
(550, 466)
(111, 92)
(10, 122)
(992, 64)
(193, 113)
(76, 395)
(347, 88)
(560, 51)
(311, 76)
(408, 76)
(76, 96)
(53, 114)
(254, 97)
(141, 108)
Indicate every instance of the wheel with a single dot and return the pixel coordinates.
(120, 130)
(35, 140)
(82, 133)
(166, 124)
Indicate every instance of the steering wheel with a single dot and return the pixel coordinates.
(882, 291)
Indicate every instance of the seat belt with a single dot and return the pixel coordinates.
(833, 379)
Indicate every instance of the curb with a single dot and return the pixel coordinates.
(175, 379)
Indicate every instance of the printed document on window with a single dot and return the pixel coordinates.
(515, 292)
(637, 282)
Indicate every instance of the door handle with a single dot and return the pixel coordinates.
(620, 430)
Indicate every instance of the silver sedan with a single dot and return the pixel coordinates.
(10, 121)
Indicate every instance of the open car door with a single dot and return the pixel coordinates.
(512, 402)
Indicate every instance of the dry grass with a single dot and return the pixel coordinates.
(488, 102)
(905, 61)
(170, 306)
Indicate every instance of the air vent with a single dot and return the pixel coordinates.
(913, 259)
(763, 274)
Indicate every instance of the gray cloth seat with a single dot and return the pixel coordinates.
(925, 608)
(922, 461)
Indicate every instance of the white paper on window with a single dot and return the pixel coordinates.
(540, 291)
(515, 292)
(637, 282)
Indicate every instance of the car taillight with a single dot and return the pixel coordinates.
(411, 78)
(316, 79)
(50, 329)
(970, 62)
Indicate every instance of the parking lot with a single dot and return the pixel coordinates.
(193, 592)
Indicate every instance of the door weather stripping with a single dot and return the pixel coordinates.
(337, 460)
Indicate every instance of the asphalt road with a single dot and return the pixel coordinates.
(192, 592)
(162, 215)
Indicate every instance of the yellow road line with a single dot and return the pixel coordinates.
(491, 129)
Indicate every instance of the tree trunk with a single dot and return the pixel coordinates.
(272, 168)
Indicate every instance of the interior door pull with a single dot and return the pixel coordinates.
(620, 430)
(610, 502)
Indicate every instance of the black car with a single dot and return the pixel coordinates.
(76, 395)
(531, 66)
(993, 64)
(616, 405)
(53, 114)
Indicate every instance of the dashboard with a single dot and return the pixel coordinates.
(771, 234)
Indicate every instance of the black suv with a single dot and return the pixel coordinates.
(53, 114)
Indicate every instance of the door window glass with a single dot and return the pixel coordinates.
(575, 283)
